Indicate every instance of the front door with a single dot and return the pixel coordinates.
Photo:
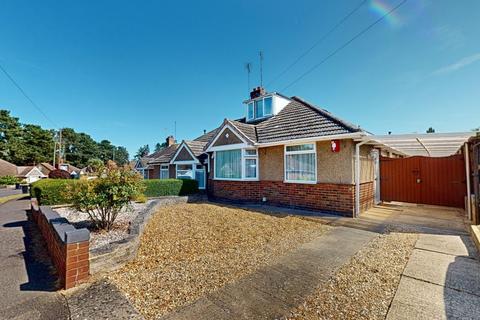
(200, 176)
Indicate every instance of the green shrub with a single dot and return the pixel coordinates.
(8, 180)
(51, 191)
(105, 197)
(169, 187)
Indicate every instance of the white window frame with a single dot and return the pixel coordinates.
(162, 168)
(191, 163)
(253, 101)
(285, 153)
(246, 156)
(243, 157)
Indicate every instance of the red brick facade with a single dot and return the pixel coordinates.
(71, 260)
(334, 198)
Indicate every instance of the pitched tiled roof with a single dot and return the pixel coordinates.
(197, 147)
(247, 129)
(7, 168)
(164, 155)
(22, 171)
(207, 137)
(299, 120)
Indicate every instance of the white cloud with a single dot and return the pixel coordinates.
(458, 65)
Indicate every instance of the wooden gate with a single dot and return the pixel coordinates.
(436, 181)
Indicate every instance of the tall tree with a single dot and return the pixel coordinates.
(12, 146)
(40, 144)
(142, 151)
(121, 155)
(430, 130)
(106, 150)
(159, 146)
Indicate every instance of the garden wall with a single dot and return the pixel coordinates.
(67, 246)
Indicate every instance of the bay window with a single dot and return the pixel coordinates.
(228, 164)
(236, 164)
(301, 163)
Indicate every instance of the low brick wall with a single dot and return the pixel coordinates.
(67, 246)
(327, 197)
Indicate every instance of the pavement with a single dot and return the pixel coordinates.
(4, 192)
(27, 277)
(441, 280)
(272, 291)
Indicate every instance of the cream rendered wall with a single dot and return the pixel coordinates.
(335, 167)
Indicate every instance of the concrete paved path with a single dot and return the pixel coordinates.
(441, 280)
(274, 290)
(27, 282)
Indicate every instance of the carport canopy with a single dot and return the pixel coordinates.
(420, 144)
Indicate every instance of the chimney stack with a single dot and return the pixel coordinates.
(257, 92)
(204, 131)
(170, 141)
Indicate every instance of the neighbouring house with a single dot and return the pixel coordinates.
(285, 151)
(29, 174)
(46, 168)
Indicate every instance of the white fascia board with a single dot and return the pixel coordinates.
(183, 145)
(234, 130)
(35, 169)
(356, 135)
(229, 147)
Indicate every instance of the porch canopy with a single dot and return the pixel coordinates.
(421, 144)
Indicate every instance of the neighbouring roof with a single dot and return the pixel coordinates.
(162, 156)
(22, 171)
(207, 137)
(197, 147)
(7, 168)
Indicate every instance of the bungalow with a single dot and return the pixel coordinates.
(28, 173)
(285, 151)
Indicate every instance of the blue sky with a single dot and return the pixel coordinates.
(126, 71)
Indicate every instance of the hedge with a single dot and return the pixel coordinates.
(51, 191)
(170, 187)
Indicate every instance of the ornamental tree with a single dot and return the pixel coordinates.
(105, 197)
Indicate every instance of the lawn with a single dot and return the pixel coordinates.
(190, 250)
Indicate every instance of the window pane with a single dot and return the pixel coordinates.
(250, 168)
(250, 152)
(250, 109)
(268, 105)
(164, 174)
(184, 171)
(259, 109)
(300, 147)
(228, 164)
(300, 167)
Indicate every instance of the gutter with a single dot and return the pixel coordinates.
(355, 135)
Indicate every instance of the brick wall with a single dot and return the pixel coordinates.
(329, 197)
(68, 247)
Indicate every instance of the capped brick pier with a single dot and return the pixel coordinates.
(68, 247)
